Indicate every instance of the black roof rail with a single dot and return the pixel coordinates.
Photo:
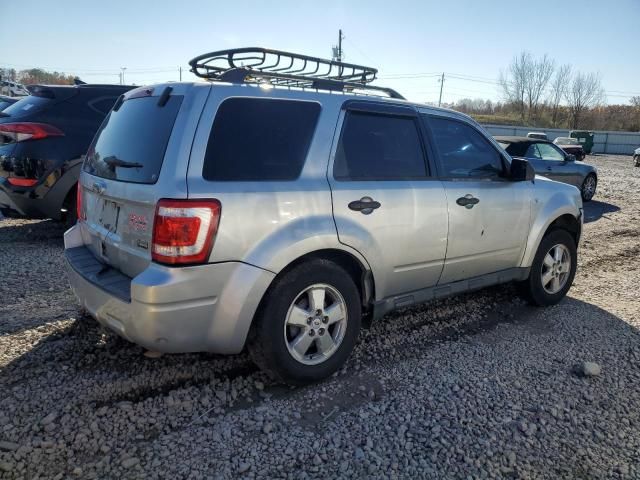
(285, 69)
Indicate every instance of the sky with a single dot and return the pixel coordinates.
(410, 42)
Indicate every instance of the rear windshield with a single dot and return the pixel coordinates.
(27, 106)
(130, 144)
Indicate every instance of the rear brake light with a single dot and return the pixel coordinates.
(79, 204)
(22, 182)
(184, 230)
(19, 132)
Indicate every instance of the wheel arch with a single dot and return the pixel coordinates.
(555, 206)
(357, 269)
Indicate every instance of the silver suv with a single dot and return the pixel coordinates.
(284, 216)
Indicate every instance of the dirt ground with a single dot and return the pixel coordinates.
(479, 386)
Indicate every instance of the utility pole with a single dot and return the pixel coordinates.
(122, 69)
(337, 50)
(180, 70)
(441, 85)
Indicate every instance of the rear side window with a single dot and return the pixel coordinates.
(256, 139)
(464, 152)
(379, 147)
(130, 144)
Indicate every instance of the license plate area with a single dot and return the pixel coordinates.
(108, 216)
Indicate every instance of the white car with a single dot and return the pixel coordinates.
(13, 89)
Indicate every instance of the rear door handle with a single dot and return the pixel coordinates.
(365, 205)
(468, 201)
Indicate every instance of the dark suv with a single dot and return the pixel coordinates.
(42, 140)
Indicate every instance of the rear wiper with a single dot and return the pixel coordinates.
(116, 162)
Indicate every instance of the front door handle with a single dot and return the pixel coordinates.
(365, 205)
(468, 201)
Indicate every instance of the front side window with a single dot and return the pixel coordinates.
(379, 147)
(532, 152)
(464, 152)
(255, 139)
(549, 152)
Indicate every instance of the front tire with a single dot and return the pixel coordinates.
(553, 269)
(308, 323)
(589, 186)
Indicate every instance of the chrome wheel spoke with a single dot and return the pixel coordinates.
(302, 343)
(548, 260)
(335, 313)
(325, 343)
(546, 278)
(316, 299)
(557, 254)
(555, 284)
(298, 317)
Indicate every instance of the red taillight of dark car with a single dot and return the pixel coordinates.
(22, 182)
(184, 230)
(23, 131)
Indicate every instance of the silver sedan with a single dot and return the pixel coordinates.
(551, 161)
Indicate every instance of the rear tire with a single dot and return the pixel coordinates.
(588, 189)
(318, 296)
(636, 159)
(552, 275)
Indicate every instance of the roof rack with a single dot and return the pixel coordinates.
(285, 69)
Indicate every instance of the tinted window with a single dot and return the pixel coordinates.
(464, 152)
(102, 105)
(532, 151)
(549, 152)
(131, 142)
(259, 139)
(379, 147)
(27, 106)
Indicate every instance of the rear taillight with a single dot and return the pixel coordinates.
(22, 182)
(184, 230)
(19, 132)
(79, 205)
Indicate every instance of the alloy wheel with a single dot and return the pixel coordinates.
(316, 323)
(556, 268)
(589, 187)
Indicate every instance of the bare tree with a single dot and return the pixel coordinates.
(558, 87)
(585, 92)
(514, 81)
(539, 73)
(635, 101)
(525, 81)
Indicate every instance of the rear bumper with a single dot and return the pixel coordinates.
(174, 310)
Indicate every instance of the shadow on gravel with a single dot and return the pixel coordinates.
(595, 210)
(30, 231)
(92, 373)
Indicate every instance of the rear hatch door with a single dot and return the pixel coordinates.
(140, 154)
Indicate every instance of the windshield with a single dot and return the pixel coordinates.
(567, 141)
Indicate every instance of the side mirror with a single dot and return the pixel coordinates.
(570, 157)
(521, 170)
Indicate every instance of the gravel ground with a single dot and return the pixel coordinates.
(480, 386)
